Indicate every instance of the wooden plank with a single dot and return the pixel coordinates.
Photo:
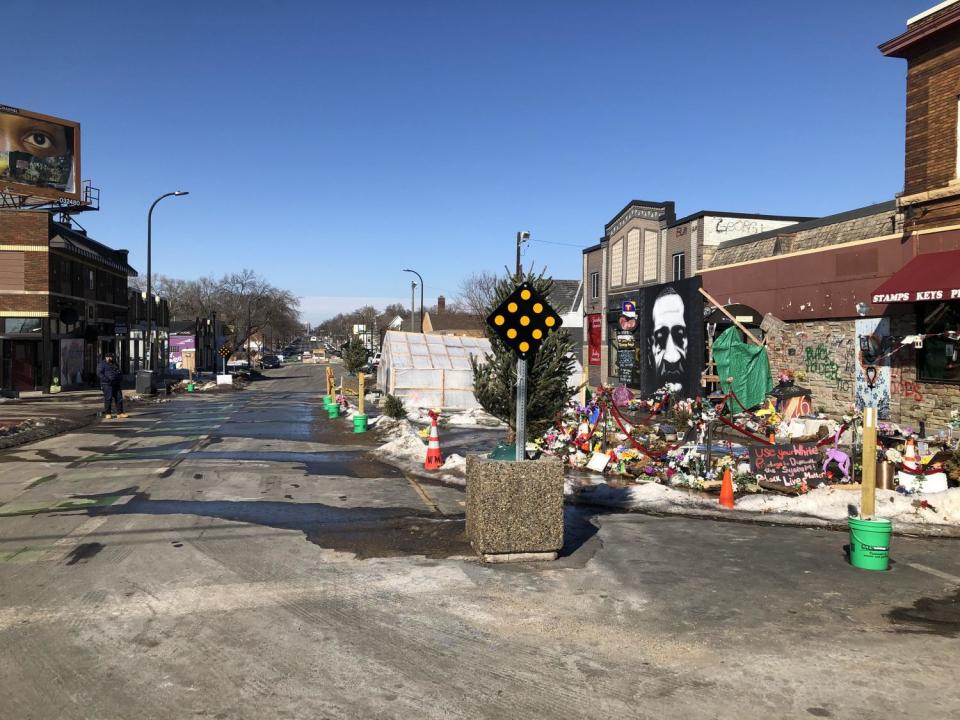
(736, 322)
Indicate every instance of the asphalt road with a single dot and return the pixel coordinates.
(241, 556)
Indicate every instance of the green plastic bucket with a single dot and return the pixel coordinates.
(333, 411)
(327, 400)
(870, 543)
(190, 387)
(359, 423)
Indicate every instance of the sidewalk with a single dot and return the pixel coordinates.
(25, 420)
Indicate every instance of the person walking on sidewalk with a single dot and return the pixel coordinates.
(111, 380)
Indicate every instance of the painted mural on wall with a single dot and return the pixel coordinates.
(873, 365)
(658, 338)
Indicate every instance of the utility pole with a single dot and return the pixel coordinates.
(521, 237)
(413, 297)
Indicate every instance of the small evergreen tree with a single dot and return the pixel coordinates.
(548, 372)
(355, 356)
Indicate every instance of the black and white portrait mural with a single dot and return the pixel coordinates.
(671, 336)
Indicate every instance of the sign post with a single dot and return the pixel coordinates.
(522, 321)
(868, 478)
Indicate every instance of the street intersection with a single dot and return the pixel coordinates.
(242, 556)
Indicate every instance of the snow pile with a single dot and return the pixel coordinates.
(822, 506)
(405, 447)
(474, 417)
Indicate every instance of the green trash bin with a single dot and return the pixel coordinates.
(359, 423)
(333, 411)
(503, 452)
(190, 387)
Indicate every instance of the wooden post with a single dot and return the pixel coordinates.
(869, 472)
(329, 381)
(736, 322)
(360, 392)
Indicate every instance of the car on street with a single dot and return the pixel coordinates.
(269, 361)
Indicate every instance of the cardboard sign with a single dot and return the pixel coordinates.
(788, 465)
(625, 361)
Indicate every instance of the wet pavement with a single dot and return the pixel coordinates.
(242, 556)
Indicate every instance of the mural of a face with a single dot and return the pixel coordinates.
(669, 340)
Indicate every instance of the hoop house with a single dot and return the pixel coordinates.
(430, 370)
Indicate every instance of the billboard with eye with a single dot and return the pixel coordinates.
(39, 155)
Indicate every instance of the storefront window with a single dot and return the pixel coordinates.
(939, 359)
(21, 326)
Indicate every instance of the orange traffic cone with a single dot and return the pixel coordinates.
(434, 459)
(726, 490)
(910, 457)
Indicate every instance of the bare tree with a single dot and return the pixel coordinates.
(476, 292)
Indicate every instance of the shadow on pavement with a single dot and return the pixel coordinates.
(367, 532)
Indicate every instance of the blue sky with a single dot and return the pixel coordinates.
(328, 145)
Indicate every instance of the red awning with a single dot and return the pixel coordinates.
(934, 276)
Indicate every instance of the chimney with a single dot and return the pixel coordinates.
(441, 304)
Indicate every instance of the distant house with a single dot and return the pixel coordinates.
(566, 297)
(443, 322)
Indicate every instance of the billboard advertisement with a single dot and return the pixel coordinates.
(39, 155)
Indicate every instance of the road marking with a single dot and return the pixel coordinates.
(936, 573)
(427, 500)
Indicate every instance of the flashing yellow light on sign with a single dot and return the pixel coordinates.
(524, 346)
(511, 333)
(525, 294)
(524, 321)
(550, 322)
(512, 307)
(499, 320)
(538, 308)
(537, 334)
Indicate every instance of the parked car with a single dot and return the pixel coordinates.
(269, 361)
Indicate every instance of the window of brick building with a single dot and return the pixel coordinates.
(939, 359)
(594, 285)
(679, 266)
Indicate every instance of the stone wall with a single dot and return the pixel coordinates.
(826, 354)
(862, 224)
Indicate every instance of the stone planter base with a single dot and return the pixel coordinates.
(515, 510)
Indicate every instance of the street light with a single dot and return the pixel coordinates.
(421, 295)
(149, 337)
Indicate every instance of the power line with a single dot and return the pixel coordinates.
(550, 242)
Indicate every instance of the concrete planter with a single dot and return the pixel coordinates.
(515, 509)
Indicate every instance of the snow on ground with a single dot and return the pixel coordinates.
(823, 506)
(406, 450)
(474, 417)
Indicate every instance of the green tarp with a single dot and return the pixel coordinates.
(747, 364)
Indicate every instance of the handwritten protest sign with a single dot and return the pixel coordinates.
(788, 465)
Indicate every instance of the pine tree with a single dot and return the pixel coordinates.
(355, 356)
(548, 372)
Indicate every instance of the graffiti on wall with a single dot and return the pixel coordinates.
(904, 388)
(873, 380)
(832, 360)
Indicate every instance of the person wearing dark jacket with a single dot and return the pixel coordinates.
(111, 379)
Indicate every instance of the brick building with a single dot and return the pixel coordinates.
(645, 244)
(63, 303)
(867, 303)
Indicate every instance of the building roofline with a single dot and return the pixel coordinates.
(666, 205)
(753, 216)
(923, 28)
(592, 248)
(866, 211)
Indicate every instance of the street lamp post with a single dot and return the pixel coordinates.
(149, 335)
(421, 295)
